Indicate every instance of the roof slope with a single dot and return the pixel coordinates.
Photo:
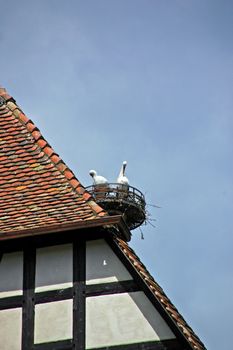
(165, 303)
(36, 188)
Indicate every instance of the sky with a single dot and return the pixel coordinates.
(150, 82)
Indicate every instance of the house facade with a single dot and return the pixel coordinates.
(68, 277)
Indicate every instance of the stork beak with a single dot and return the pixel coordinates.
(124, 166)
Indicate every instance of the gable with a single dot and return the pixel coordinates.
(119, 317)
(58, 285)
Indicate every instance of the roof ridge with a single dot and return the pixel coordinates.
(160, 295)
(52, 155)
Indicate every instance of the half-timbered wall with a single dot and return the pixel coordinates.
(77, 295)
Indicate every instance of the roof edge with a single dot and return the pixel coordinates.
(105, 222)
(175, 318)
(4, 94)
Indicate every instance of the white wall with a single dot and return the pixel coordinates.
(10, 329)
(11, 274)
(54, 267)
(123, 319)
(102, 264)
(53, 321)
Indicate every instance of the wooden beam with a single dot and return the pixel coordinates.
(111, 288)
(79, 301)
(58, 345)
(53, 295)
(28, 298)
(11, 302)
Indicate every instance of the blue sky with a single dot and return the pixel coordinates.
(150, 82)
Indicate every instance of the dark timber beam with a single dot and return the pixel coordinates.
(111, 288)
(79, 300)
(28, 298)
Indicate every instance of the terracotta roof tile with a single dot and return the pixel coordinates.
(36, 187)
(159, 294)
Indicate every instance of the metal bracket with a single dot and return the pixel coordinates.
(2, 101)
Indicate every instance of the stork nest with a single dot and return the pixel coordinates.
(121, 199)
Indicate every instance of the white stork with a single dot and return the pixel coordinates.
(122, 179)
(98, 179)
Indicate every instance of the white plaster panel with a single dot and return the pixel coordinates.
(54, 267)
(102, 264)
(53, 321)
(10, 329)
(123, 319)
(11, 274)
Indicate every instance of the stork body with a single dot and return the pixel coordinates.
(122, 179)
(98, 180)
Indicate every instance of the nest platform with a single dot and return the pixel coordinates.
(121, 199)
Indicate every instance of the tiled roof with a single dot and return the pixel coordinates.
(160, 296)
(37, 189)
